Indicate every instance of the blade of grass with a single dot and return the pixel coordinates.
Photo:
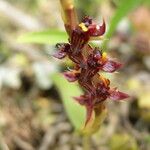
(124, 8)
(76, 113)
(51, 36)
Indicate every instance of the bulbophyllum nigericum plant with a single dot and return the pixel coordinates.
(89, 63)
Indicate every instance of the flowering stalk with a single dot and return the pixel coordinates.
(89, 63)
(69, 15)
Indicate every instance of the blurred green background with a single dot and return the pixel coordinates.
(37, 111)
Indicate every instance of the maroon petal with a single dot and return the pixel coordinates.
(86, 101)
(111, 66)
(59, 54)
(97, 30)
(71, 76)
(81, 99)
(117, 95)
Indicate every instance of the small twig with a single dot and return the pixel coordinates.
(3, 144)
(48, 139)
(20, 18)
(51, 134)
(22, 144)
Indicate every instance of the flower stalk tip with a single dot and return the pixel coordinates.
(69, 15)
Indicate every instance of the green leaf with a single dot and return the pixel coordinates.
(76, 113)
(124, 8)
(51, 36)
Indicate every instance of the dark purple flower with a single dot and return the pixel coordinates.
(89, 62)
(71, 76)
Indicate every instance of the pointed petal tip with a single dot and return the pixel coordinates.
(111, 66)
(78, 99)
(82, 99)
(89, 111)
(117, 95)
(104, 26)
(59, 55)
(70, 76)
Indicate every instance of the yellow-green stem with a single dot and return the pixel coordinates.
(86, 143)
(69, 15)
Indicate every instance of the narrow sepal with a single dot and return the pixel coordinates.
(71, 76)
(117, 95)
(59, 55)
(111, 66)
(81, 99)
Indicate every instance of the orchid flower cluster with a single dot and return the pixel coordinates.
(89, 62)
